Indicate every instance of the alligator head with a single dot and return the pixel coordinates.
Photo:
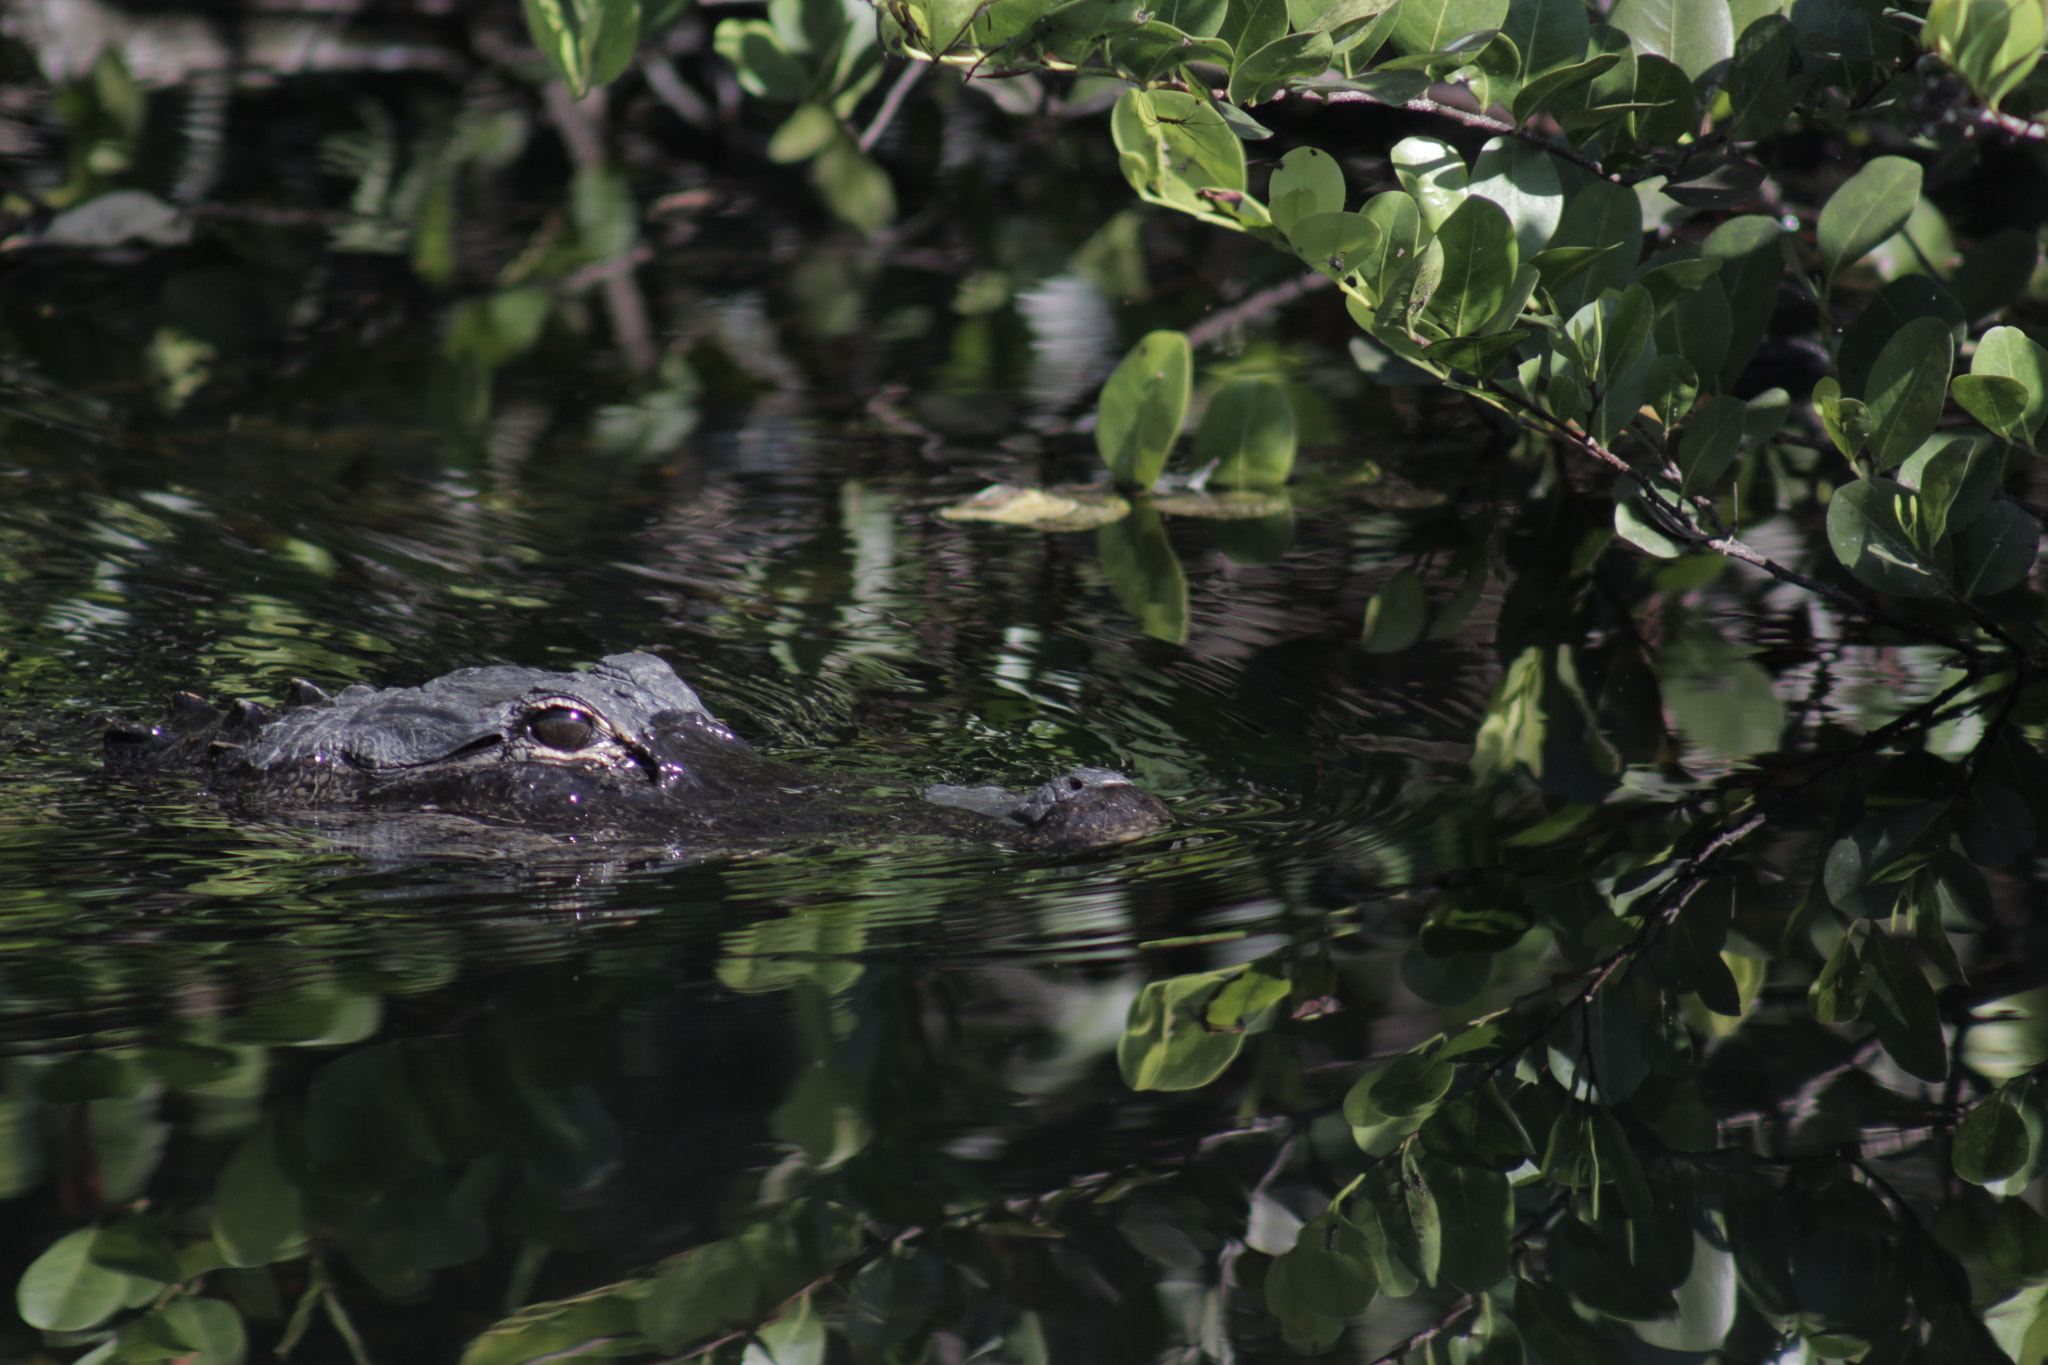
(625, 747)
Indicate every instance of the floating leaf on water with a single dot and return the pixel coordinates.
(1063, 510)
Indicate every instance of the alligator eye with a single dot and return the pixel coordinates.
(563, 727)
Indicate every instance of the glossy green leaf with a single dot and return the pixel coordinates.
(1664, 108)
(1433, 174)
(1868, 207)
(1836, 995)
(1696, 36)
(587, 42)
(1562, 82)
(1908, 385)
(1336, 244)
(66, 1290)
(1673, 387)
(1709, 444)
(1399, 220)
(1476, 1208)
(1249, 25)
(1846, 420)
(1328, 1272)
(1139, 415)
(1409, 1084)
(1524, 181)
(1599, 214)
(1432, 25)
(699, 1294)
(1395, 616)
(1550, 34)
(1996, 551)
(1767, 79)
(1993, 1141)
(1167, 1043)
(1752, 265)
(1650, 529)
(1243, 998)
(257, 1217)
(1855, 874)
(1997, 401)
(1140, 564)
(1310, 172)
(2010, 352)
(1599, 1272)
(1901, 301)
(1247, 433)
(1478, 1128)
(1901, 1004)
(1298, 57)
(1478, 244)
(760, 59)
(855, 187)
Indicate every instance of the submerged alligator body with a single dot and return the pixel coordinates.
(625, 751)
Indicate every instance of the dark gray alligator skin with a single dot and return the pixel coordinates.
(624, 750)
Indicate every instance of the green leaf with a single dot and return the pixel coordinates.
(1847, 421)
(698, 1294)
(1665, 109)
(1551, 35)
(1995, 551)
(1649, 529)
(1328, 1272)
(1993, 1141)
(1247, 433)
(65, 1290)
(1299, 57)
(1243, 999)
(1139, 415)
(1409, 1084)
(1335, 244)
(1696, 36)
(1478, 1128)
(1869, 206)
(2010, 352)
(1249, 25)
(1672, 389)
(1600, 214)
(1478, 243)
(1953, 479)
(1478, 1206)
(1898, 303)
(1399, 220)
(1524, 181)
(809, 130)
(1752, 265)
(1767, 79)
(1600, 1273)
(1305, 171)
(1167, 1043)
(1396, 614)
(587, 42)
(1836, 995)
(1999, 402)
(1907, 388)
(855, 187)
(1712, 437)
(1855, 872)
(1433, 174)
(1538, 92)
(1139, 562)
(1901, 1004)
(1431, 25)
(763, 63)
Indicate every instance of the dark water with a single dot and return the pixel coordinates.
(545, 1069)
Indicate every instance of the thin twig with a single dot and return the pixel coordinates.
(1422, 104)
(891, 102)
(1213, 327)
(2012, 123)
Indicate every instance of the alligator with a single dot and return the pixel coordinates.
(625, 751)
